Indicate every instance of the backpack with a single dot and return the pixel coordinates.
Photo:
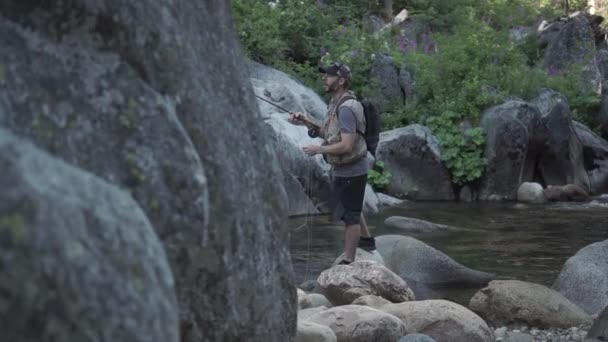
(373, 123)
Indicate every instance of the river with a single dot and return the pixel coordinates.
(513, 241)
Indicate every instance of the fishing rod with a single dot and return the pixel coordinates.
(314, 128)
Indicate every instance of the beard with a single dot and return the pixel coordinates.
(332, 87)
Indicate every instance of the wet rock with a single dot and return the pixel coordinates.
(568, 192)
(584, 278)
(390, 201)
(342, 284)
(413, 157)
(416, 338)
(371, 201)
(413, 225)
(371, 301)
(518, 337)
(511, 301)
(599, 329)
(356, 323)
(362, 255)
(509, 149)
(441, 320)
(312, 332)
(424, 267)
(595, 158)
(530, 192)
(561, 159)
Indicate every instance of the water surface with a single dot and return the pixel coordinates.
(514, 241)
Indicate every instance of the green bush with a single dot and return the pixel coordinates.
(259, 30)
(462, 151)
(378, 177)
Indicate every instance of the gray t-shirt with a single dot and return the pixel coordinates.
(348, 124)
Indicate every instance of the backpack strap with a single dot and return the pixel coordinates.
(341, 102)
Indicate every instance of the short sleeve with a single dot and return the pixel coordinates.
(347, 120)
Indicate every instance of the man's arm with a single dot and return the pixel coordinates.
(302, 119)
(348, 131)
(343, 147)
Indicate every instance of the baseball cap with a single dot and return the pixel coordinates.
(337, 69)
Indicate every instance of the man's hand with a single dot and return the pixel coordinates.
(298, 119)
(312, 150)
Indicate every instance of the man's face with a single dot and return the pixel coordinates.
(330, 82)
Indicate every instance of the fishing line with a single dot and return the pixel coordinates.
(309, 174)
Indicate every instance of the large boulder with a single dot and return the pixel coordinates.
(602, 119)
(153, 98)
(357, 323)
(389, 201)
(384, 77)
(584, 278)
(561, 160)
(371, 301)
(512, 301)
(570, 41)
(424, 267)
(313, 332)
(510, 149)
(284, 90)
(79, 260)
(371, 202)
(361, 255)
(342, 284)
(441, 320)
(311, 300)
(306, 179)
(599, 329)
(602, 64)
(412, 155)
(416, 338)
(595, 158)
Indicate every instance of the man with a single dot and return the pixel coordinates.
(344, 148)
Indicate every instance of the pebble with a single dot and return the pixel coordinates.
(573, 334)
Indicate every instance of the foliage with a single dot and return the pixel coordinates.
(463, 60)
(378, 177)
(259, 30)
(462, 151)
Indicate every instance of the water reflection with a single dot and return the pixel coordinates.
(514, 241)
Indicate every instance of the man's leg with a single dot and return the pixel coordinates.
(351, 239)
(364, 229)
(366, 241)
(351, 199)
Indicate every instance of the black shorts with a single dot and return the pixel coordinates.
(347, 196)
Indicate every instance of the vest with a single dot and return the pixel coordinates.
(332, 132)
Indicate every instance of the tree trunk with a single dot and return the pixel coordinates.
(388, 9)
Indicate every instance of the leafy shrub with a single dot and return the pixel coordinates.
(462, 151)
(378, 177)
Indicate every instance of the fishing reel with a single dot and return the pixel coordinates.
(313, 132)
